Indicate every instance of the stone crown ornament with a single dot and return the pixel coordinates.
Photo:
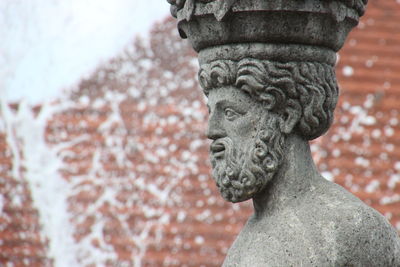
(312, 30)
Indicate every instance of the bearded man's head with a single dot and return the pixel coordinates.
(254, 104)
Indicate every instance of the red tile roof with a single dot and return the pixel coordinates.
(21, 241)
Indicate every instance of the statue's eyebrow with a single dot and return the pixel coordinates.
(230, 104)
(219, 104)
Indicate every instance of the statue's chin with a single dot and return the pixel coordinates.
(234, 198)
(234, 190)
(234, 195)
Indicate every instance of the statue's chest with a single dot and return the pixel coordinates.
(274, 246)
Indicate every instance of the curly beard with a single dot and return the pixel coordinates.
(244, 172)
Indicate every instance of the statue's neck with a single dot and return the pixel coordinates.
(295, 177)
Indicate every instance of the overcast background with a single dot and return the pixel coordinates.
(48, 45)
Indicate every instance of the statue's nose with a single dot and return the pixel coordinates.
(215, 128)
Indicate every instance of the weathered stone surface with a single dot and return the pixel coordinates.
(313, 22)
(267, 68)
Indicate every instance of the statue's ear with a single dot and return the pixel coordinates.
(291, 117)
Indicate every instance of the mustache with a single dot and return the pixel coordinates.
(230, 170)
(226, 147)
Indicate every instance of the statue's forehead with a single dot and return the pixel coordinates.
(229, 92)
(232, 95)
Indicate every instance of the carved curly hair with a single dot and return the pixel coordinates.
(290, 88)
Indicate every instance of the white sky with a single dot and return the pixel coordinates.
(47, 45)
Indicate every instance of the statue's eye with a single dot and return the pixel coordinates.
(230, 114)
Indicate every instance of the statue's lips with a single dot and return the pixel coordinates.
(217, 149)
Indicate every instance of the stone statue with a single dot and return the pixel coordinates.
(267, 68)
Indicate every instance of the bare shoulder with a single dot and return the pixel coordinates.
(327, 226)
(359, 235)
